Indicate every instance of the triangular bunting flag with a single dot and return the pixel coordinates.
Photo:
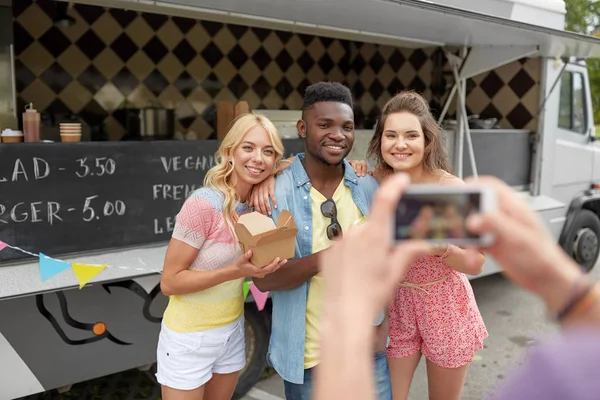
(86, 273)
(50, 267)
(246, 288)
(260, 298)
(2, 245)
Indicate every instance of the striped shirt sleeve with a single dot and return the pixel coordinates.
(194, 221)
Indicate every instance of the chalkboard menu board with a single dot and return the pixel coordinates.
(74, 197)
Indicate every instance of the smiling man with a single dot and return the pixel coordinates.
(325, 197)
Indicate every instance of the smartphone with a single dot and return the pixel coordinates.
(438, 214)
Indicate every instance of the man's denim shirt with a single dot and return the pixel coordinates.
(286, 347)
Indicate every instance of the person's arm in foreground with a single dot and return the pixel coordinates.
(530, 256)
(525, 249)
(561, 368)
(354, 295)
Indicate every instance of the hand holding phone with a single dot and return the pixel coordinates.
(438, 214)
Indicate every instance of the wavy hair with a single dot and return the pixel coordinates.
(221, 176)
(435, 157)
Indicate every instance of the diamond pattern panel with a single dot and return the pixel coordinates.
(123, 58)
(509, 93)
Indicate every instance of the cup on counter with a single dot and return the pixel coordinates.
(10, 136)
(70, 132)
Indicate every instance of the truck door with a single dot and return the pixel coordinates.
(574, 157)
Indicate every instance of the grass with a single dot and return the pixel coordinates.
(597, 130)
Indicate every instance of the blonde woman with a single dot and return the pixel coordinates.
(201, 347)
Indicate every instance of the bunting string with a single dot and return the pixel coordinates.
(3, 245)
(49, 267)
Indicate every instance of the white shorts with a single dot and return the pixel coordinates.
(186, 361)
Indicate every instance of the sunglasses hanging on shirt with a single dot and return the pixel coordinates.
(329, 210)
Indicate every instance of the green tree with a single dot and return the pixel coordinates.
(583, 16)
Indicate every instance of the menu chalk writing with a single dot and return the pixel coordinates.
(65, 198)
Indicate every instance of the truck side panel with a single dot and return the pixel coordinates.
(77, 335)
(596, 173)
(16, 379)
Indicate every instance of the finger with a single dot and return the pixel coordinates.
(385, 202)
(257, 200)
(248, 255)
(272, 194)
(278, 265)
(266, 204)
(263, 206)
(260, 204)
(272, 263)
(356, 229)
(359, 169)
(505, 230)
(269, 269)
(330, 258)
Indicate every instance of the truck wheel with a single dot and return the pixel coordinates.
(583, 243)
(257, 330)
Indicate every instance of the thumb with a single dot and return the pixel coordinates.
(246, 256)
(502, 226)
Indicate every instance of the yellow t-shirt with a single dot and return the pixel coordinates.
(347, 214)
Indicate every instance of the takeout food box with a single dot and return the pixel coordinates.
(258, 233)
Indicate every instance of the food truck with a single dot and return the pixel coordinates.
(84, 225)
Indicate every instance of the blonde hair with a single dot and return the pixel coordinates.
(221, 175)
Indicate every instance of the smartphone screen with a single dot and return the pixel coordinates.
(437, 216)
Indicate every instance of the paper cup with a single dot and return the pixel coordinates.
(70, 127)
(70, 137)
(10, 136)
(12, 139)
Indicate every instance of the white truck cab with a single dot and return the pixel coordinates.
(575, 178)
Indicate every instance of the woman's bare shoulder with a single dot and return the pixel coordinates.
(447, 179)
